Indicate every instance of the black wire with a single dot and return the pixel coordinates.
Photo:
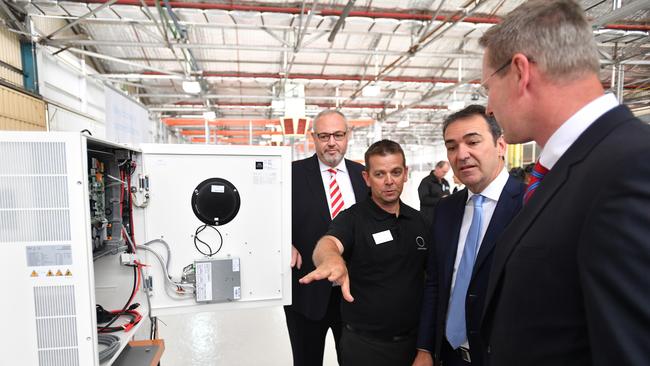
(196, 238)
(108, 329)
(128, 302)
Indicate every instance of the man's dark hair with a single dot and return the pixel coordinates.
(528, 169)
(474, 110)
(383, 148)
(442, 164)
(518, 173)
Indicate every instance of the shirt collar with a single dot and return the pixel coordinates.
(341, 167)
(569, 131)
(381, 214)
(493, 190)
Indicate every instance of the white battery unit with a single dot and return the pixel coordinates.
(225, 209)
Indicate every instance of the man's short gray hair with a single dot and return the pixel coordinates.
(555, 34)
(327, 112)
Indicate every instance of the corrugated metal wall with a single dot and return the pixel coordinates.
(20, 111)
(10, 54)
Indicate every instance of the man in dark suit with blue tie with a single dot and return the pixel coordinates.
(569, 282)
(322, 186)
(464, 233)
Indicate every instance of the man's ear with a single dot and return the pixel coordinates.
(521, 65)
(365, 176)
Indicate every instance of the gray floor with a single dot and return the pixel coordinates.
(250, 337)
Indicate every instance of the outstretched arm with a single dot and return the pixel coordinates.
(330, 265)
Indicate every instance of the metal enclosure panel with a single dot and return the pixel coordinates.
(45, 257)
(10, 55)
(218, 280)
(260, 234)
(20, 111)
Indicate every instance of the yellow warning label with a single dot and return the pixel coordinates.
(68, 273)
(59, 273)
(34, 274)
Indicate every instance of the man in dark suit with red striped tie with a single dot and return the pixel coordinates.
(322, 186)
(569, 282)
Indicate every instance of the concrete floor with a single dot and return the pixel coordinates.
(250, 337)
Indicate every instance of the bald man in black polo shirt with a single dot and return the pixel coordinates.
(384, 243)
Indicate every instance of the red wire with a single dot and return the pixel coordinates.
(131, 210)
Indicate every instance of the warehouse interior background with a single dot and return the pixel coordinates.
(255, 73)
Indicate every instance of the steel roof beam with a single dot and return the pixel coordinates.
(208, 74)
(81, 42)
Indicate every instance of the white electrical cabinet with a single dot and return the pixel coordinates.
(216, 222)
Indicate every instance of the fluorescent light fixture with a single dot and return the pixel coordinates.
(371, 91)
(210, 115)
(193, 87)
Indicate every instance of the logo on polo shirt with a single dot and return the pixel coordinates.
(420, 242)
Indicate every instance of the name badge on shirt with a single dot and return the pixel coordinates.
(382, 237)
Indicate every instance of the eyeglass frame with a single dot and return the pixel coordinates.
(482, 90)
(325, 136)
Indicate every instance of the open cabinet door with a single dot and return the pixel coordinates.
(225, 214)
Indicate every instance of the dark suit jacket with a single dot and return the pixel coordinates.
(571, 275)
(437, 292)
(430, 191)
(310, 218)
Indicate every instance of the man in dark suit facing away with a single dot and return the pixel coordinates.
(464, 232)
(569, 282)
(432, 188)
(322, 186)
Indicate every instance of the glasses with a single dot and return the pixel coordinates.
(325, 137)
(482, 90)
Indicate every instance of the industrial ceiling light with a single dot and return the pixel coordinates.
(371, 90)
(209, 115)
(191, 86)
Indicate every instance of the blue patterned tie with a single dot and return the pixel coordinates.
(456, 330)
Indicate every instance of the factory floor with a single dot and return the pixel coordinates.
(248, 337)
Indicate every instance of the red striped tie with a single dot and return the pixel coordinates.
(336, 198)
(536, 176)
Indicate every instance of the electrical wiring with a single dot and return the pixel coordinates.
(196, 238)
(136, 284)
(168, 279)
(103, 315)
(112, 344)
(138, 204)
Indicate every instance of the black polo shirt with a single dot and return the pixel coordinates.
(386, 256)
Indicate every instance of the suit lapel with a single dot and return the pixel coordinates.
(315, 182)
(358, 184)
(450, 250)
(506, 208)
(552, 182)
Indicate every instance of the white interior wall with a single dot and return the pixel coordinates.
(77, 101)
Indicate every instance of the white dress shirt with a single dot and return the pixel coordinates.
(343, 180)
(568, 133)
(491, 193)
